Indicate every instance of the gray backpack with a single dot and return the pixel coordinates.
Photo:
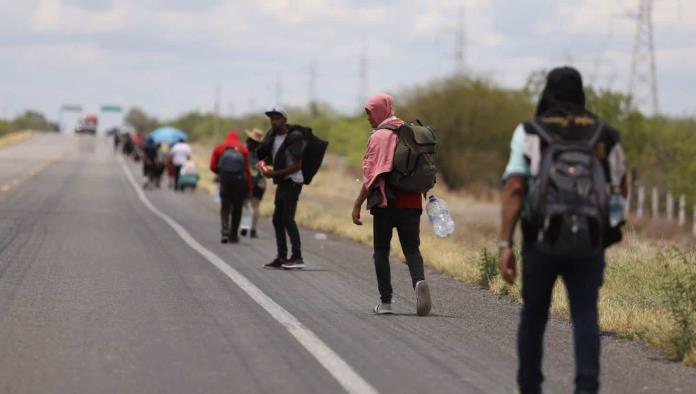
(415, 158)
(231, 167)
(568, 204)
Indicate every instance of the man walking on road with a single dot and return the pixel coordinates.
(283, 148)
(403, 210)
(230, 161)
(180, 153)
(566, 173)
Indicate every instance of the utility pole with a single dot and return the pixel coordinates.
(460, 43)
(279, 90)
(363, 74)
(312, 88)
(642, 85)
(217, 112)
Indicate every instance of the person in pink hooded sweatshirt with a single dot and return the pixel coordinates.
(390, 208)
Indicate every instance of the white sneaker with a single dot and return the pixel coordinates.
(423, 303)
(382, 309)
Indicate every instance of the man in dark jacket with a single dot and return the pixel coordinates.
(235, 183)
(283, 147)
(561, 114)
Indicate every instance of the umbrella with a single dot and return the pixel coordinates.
(168, 135)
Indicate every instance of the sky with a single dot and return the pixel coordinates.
(169, 57)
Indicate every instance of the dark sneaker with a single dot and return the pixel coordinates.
(243, 233)
(234, 240)
(423, 303)
(224, 239)
(382, 309)
(275, 264)
(253, 234)
(294, 264)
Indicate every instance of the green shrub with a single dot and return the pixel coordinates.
(488, 267)
(678, 295)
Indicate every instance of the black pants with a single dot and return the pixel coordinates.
(177, 173)
(287, 196)
(231, 202)
(407, 223)
(582, 280)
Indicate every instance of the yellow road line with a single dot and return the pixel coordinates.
(36, 169)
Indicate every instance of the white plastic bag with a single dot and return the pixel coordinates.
(247, 213)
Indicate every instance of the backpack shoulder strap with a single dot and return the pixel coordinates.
(597, 134)
(541, 132)
(392, 128)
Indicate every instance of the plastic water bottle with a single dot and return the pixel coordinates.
(617, 205)
(216, 195)
(439, 216)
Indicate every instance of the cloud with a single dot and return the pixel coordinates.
(168, 55)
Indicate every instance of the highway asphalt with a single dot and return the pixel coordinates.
(105, 288)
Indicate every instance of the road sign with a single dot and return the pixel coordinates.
(111, 108)
(71, 108)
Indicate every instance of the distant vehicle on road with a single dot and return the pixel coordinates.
(87, 125)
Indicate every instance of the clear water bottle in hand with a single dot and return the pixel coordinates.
(439, 216)
(617, 205)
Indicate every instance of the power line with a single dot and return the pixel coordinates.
(643, 78)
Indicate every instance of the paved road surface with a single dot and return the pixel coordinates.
(100, 294)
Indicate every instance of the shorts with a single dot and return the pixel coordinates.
(258, 192)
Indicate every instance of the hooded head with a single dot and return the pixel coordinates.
(563, 89)
(379, 108)
(232, 138)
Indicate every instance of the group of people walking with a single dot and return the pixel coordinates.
(566, 168)
(565, 183)
(242, 170)
(174, 160)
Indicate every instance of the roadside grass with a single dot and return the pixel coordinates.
(15, 137)
(649, 291)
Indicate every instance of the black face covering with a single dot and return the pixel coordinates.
(563, 90)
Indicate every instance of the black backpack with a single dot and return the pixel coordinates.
(415, 158)
(313, 155)
(231, 167)
(567, 206)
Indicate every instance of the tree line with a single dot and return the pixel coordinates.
(29, 120)
(474, 119)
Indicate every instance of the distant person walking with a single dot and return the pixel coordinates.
(153, 163)
(565, 174)
(258, 188)
(179, 154)
(283, 148)
(117, 139)
(230, 161)
(390, 208)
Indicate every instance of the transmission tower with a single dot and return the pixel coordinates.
(364, 88)
(643, 79)
(460, 44)
(279, 89)
(312, 87)
(216, 110)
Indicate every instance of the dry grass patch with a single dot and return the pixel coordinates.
(15, 137)
(649, 292)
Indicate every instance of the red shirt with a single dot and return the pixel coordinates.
(407, 200)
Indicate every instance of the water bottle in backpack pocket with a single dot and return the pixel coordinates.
(567, 206)
(231, 167)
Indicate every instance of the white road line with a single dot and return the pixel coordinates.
(346, 376)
